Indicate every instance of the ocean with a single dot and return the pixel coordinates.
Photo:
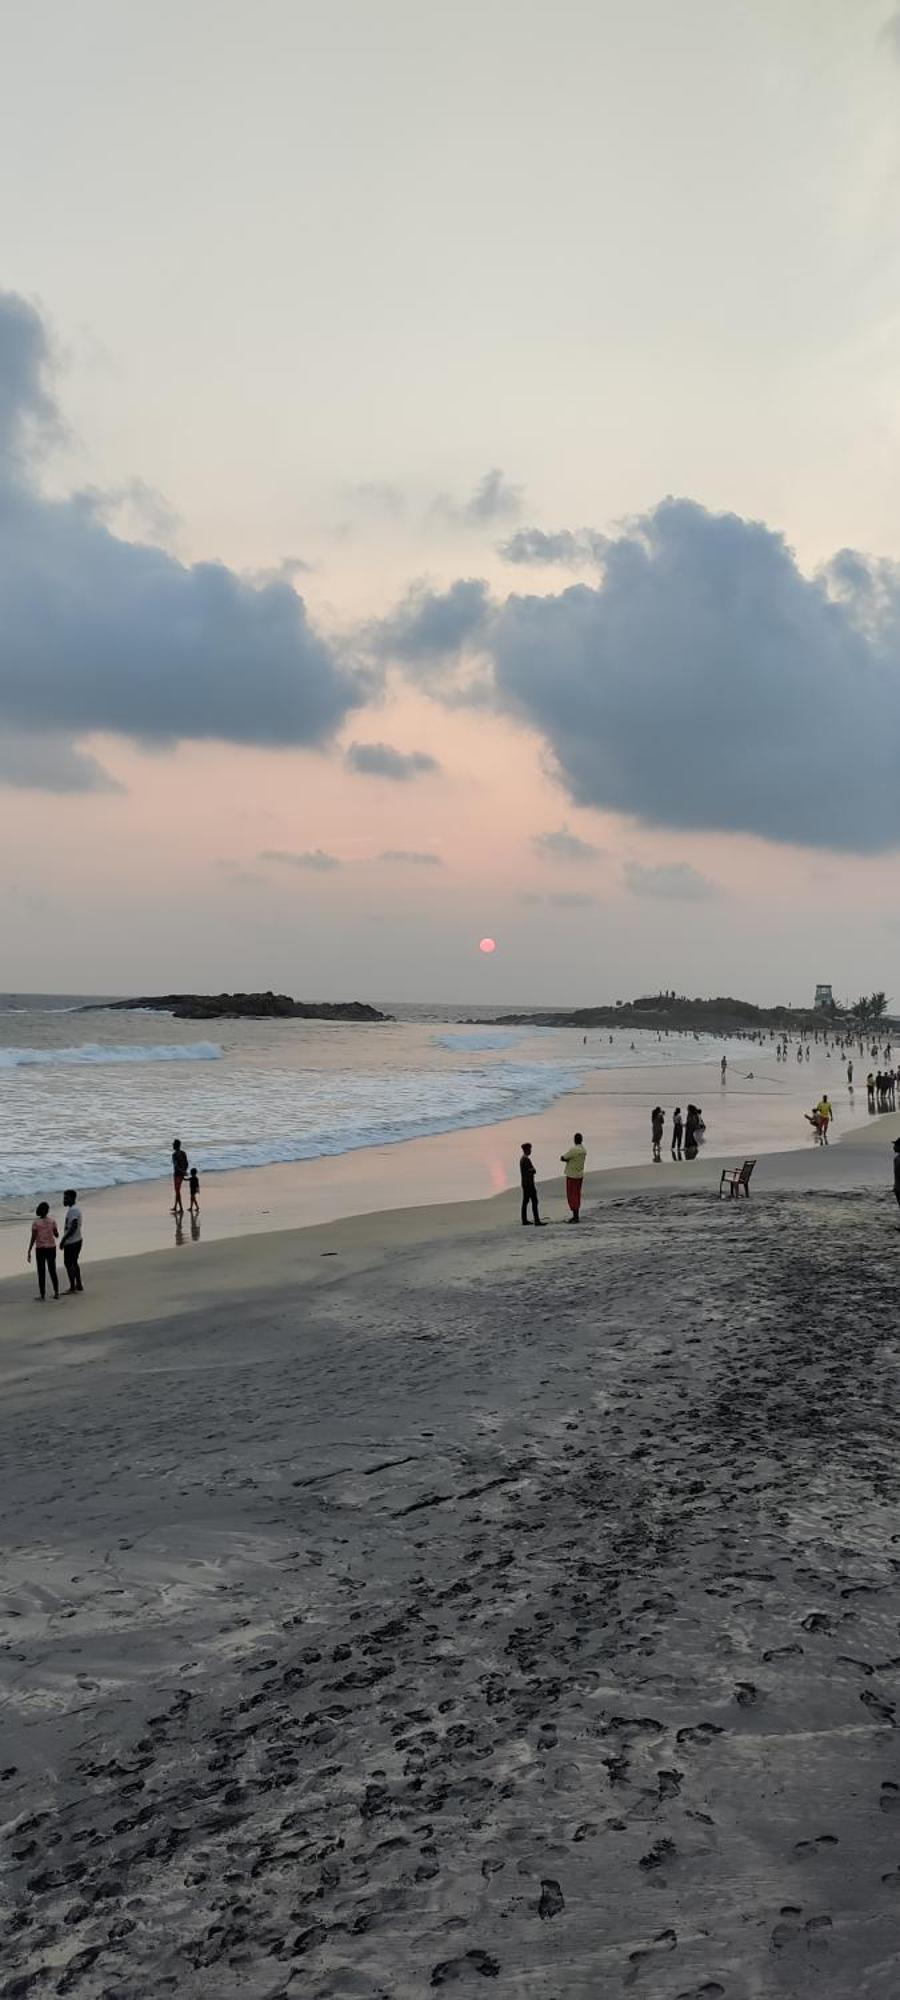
(95, 1098)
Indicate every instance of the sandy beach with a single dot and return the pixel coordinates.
(414, 1600)
(757, 1113)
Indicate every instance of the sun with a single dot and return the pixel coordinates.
(488, 945)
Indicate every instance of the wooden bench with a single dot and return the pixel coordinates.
(735, 1178)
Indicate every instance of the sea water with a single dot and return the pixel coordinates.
(95, 1098)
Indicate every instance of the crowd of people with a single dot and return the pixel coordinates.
(881, 1089)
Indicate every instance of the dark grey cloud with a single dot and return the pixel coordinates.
(433, 627)
(569, 548)
(495, 499)
(562, 845)
(412, 857)
(703, 681)
(100, 633)
(44, 762)
(672, 880)
(381, 760)
(315, 858)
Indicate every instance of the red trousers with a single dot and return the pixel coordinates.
(573, 1194)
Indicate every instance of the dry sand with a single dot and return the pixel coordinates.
(417, 1601)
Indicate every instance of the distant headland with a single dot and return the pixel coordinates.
(722, 1016)
(242, 1007)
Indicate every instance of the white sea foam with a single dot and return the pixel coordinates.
(117, 1052)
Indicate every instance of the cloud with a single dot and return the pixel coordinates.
(107, 634)
(375, 496)
(891, 31)
(316, 858)
(564, 846)
(562, 899)
(431, 628)
(41, 761)
(285, 571)
(495, 499)
(571, 549)
(410, 855)
(380, 760)
(703, 682)
(674, 881)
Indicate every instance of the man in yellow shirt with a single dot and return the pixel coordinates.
(824, 1113)
(573, 1161)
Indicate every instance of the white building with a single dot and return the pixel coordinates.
(824, 996)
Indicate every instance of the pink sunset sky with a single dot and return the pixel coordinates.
(319, 274)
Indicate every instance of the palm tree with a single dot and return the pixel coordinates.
(877, 1006)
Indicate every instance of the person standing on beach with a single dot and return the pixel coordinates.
(825, 1113)
(657, 1121)
(42, 1241)
(897, 1173)
(724, 1068)
(677, 1132)
(849, 1076)
(179, 1169)
(528, 1178)
(870, 1091)
(573, 1161)
(194, 1185)
(71, 1240)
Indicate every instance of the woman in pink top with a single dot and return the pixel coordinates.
(43, 1242)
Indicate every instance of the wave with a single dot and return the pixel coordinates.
(472, 1041)
(472, 1098)
(118, 1052)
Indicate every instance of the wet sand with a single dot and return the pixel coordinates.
(759, 1114)
(417, 1600)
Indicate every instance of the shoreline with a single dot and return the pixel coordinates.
(160, 1283)
(761, 1115)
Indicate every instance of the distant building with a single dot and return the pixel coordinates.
(824, 996)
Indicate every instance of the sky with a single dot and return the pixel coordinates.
(449, 486)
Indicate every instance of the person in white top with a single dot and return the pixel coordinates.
(71, 1240)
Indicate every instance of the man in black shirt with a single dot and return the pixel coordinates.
(179, 1169)
(897, 1171)
(528, 1177)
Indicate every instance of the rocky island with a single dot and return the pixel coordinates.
(243, 1006)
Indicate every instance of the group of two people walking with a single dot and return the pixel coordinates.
(573, 1161)
(43, 1241)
